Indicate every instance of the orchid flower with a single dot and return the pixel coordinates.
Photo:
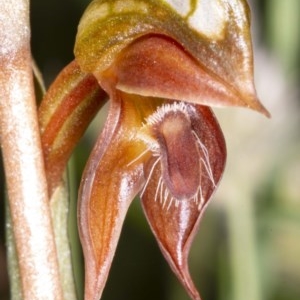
(163, 64)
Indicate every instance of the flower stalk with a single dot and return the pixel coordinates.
(23, 159)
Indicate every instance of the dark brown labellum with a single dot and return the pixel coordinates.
(179, 153)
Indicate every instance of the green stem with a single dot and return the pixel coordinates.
(242, 246)
(12, 259)
(283, 31)
(59, 208)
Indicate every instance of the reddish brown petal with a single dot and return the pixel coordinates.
(113, 176)
(175, 223)
(68, 107)
(158, 66)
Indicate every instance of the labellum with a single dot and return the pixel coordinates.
(178, 149)
(180, 163)
(162, 65)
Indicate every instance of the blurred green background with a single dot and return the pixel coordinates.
(248, 246)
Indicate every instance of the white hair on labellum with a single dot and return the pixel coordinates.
(159, 184)
(174, 107)
(166, 197)
(158, 117)
(138, 157)
(202, 200)
(149, 177)
(162, 191)
(205, 160)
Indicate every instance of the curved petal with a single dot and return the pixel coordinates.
(175, 222)
(112, 178)
(66, 110)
